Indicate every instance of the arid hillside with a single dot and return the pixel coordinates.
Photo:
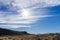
(11, 32)
(6, 34)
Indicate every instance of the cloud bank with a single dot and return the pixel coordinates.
(22, 13)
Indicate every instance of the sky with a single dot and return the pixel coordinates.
(33, 16)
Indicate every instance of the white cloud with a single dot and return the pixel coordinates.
(13, 20)
(13, 26)
(25, 15)
(40, 3)
(4, 2)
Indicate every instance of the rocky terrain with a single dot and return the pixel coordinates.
(6, 34)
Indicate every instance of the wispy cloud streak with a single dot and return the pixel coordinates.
(22, 13)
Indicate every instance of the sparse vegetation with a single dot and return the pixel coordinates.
(25, 36)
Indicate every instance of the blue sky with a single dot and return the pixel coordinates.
(30, 15)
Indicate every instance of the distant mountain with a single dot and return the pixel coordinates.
(11, 32)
